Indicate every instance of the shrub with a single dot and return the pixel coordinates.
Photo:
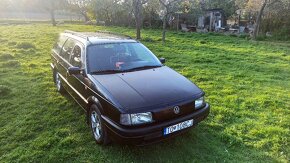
(25, 45)
(233, 35)
(182, 33)
(148, 39)
(261, 38)
(243, 36)
(4, 90)
(159, 39)
(283, 34)
(215, 34)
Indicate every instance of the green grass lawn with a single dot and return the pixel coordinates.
(247, 84)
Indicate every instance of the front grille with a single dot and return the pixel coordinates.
(168, 112)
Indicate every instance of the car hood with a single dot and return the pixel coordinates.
(147, 88)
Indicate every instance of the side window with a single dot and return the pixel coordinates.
(67, 49)
(59, 43)
(76, 56)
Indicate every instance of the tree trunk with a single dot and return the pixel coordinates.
(129, 18)
(138, 31)
(258, 21)
(138, 26)
(52, 17)
(138, 17)
(164, 29)
(150, 19)
(85, 15)
(52, 13)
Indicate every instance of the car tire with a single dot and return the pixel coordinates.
(98, 129)
(58, 82)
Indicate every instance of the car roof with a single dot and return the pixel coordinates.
(99, 37)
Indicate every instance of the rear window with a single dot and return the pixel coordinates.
(67, 49)
(59, 44)
(75, 59)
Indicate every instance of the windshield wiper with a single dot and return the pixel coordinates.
(143, 67)
(107, 71)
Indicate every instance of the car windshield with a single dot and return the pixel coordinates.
(120, 57)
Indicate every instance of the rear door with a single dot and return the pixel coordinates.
(63, 63)
(55, 55)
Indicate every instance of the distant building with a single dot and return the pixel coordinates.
(212, 20)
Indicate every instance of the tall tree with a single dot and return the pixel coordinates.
(151, 9)
(82, 7)
(50, 6)
(127, 5)
(107, 10)
(264, 4)
(137, 7)
(168, 8)
(52, 14)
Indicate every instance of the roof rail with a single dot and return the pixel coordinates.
(77, 34)
(118, 34)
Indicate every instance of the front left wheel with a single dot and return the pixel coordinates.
(98, 129)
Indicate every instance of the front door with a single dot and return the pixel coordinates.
(77, 81)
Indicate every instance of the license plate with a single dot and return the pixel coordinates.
(177, 127)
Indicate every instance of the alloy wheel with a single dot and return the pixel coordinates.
(96, 125)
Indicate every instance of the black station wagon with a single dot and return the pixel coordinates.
(128, 94)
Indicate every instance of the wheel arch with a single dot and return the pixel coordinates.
(94, 101)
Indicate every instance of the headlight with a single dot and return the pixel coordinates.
(199, 103)
(135, 119)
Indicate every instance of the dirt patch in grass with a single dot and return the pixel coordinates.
(11, 64)
(202, 42)
(25, 45)
(32, 65)
(2, 40)
(4, 91)
(12, 43)
(5, 57)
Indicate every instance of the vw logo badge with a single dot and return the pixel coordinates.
(176, 109)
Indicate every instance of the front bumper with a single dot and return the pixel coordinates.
(151, 134)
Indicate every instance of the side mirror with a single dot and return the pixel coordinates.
(162, 60)
(74, 70)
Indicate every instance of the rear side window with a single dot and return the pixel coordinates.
(67, 49)
(59, 44)
(76, 56)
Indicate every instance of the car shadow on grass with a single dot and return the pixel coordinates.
(201, 144)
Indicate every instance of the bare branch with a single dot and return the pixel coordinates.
(273, 2)
(163, 3)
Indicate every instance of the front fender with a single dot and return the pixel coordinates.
(94, 101)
